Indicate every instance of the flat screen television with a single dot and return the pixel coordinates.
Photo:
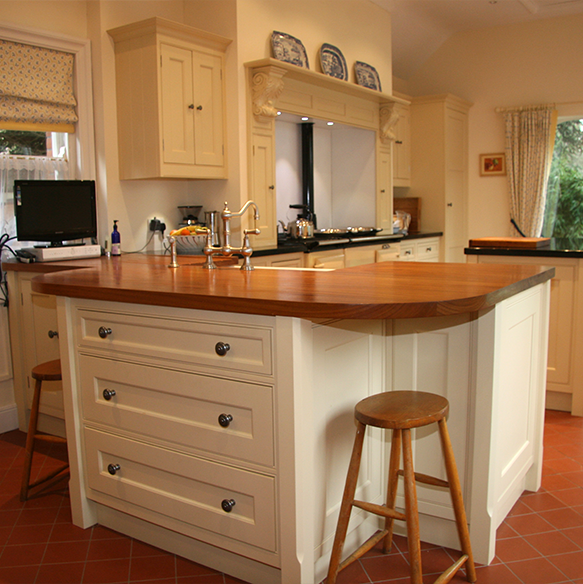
(56, 212)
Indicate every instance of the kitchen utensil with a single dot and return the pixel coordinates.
(211, 218)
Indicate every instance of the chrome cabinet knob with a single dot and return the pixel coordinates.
(104, 332)
(113, 468)
(227, 505)
(108, 394)
(222, 349)
(53, 334)
(225, 420)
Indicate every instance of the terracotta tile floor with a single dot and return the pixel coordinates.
(540, 542)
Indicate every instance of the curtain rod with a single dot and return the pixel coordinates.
(525, 108)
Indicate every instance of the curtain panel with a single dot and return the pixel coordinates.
(530, 135)
(36, 88)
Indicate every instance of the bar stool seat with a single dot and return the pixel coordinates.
(49, 371)
(400, 411)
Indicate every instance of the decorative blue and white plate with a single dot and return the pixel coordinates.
(289, 49)
(333, 62)
(367, 76)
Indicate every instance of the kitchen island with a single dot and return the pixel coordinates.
(210, 413)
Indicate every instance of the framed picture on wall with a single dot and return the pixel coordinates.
(492, 164)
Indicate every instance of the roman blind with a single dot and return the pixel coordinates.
(36, 89)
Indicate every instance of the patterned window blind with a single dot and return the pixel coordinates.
(36, 89)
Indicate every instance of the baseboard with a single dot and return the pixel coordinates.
(8, 418)
(557, 400)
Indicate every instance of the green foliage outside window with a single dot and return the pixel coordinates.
(564, 209)
(21, 143)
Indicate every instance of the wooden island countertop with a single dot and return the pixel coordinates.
(381, 290)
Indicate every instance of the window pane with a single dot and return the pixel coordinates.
(16, 142)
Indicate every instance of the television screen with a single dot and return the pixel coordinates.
(55, 211)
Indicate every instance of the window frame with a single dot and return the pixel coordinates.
(83, 158)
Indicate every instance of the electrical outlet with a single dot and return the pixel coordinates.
(157, 225)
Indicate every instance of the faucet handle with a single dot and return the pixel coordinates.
(255, 231)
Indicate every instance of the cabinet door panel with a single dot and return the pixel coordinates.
(208, 109)
(263, 188)
(384, 211)
(177, 116)
(40, 317)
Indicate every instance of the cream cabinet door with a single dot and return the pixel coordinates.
(263, 189)
(384, 203)
(177, 97)
(40, 333)
(208, 109)
(402, 148)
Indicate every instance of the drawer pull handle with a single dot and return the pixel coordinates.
(108, 394)
(225, 420)
(221, 348)
(104, 331)
(227, 505)
(113, 468)
(428, 250)
(53, 334)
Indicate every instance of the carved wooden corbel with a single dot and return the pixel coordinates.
(267, 86)
(388, 120)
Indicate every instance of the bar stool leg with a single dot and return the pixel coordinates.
(411, 511)
(346, 505)
(393, 483)
(30, 437)
(457, 500)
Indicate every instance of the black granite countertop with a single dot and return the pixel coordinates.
(558, 248)
(289, 245)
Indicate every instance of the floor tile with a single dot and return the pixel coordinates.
(537, 571)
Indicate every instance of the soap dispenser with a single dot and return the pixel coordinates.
(115, 240)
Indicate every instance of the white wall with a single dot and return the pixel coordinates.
(539, 62)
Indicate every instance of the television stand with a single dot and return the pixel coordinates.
(66, 252)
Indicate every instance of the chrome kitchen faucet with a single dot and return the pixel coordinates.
(226, 249)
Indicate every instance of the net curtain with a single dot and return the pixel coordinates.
(529, 147)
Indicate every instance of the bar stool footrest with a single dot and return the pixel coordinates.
(427, 479)
(380, 510)
(365, 547)
(451, 571)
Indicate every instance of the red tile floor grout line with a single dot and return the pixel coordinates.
(540, 542)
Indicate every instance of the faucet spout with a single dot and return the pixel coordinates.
(226, 250)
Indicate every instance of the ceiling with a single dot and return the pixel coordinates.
(420, 27)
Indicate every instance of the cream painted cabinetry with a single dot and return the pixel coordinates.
(564, 367)
(370, 254)
(285, 260)
(439, 168)
(34, 339)
(420, 250)
(170, 101)
(402, 147)
(178, 424)
(332, 259)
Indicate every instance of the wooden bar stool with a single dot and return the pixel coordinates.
(49, 371)
(400, 411)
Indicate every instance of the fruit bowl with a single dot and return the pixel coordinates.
(190, 244)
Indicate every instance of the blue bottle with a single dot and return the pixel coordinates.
(115, 240)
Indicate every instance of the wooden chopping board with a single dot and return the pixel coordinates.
(511, 242)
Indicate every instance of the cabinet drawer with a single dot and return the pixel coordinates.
(182, 408)
(427, 250)
(407, 252)
(154, 481)
(176, 340)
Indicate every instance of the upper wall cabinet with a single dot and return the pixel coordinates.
(170, 101)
